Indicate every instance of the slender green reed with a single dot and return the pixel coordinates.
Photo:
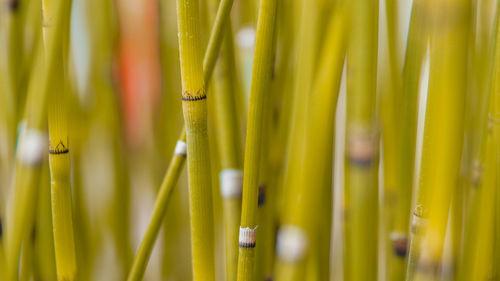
(443, 134)
(297, 236)
(361, 159)
(261, 75)
(56, 35)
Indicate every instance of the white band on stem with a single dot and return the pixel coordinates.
(32, 147)
(248, 237)
(231, 183)
(180, 148)
(291, 244)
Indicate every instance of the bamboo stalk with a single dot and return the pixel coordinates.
(29, 159)
(300, 226)
(56, 33)
(173, 172)
(261, 75)
(169, 182)
(477, 240)
(407, 127)
(442, 144)
(361, 159)
(229, 147)
(390, 112)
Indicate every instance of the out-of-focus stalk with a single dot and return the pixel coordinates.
(229, 147)
(30, 156)
(56, 14)
(361, 158)
(301, 227)
(261, 75)
(443, 132)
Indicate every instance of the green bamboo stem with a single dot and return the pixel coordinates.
(44, 241)
(361, 159)
(407, 128)
(195, 117)
(164, 194)
(229, 148)
(147, 243)
(30, 156)
(301, 226)
(307, 45)
(390, 112)
(477, 240)
(495, 117)
(56, 24)
(215, 40)
(261, 75)
(441, 152)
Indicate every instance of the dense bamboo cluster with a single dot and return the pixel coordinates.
(323, 140)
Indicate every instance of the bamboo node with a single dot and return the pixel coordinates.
(200, 95)
(262, 195)
(361, 148)
(291, 243)
(32, 147)
(231, 183)
(13, 5)
(477, 173)
(180, 148)
(59, 149)
(399, 243)
(418, 222)
(248, 237)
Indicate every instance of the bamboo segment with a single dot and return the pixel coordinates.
(361, 159)
(173, 172)
(195, 116)
(261, 75)
(442, 144)
(169, 182)
(415, 49)
(301, 226)
(56, 24)
(229, 147)
(478, 260)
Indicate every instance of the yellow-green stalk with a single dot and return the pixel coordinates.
(169, 182)
(443, 135)
(390, 112)
(477, 261)
(45, 263)
(261, 75)
(30, 156)
(55, 34)
(407, 131)
(229, 148)
(173, 172)
(361, 158)
(195, 117)
(306, 14)
(301, 223)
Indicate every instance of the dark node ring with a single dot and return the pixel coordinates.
(247, 245)
(195, 98)
(58, 151)
(262, 195)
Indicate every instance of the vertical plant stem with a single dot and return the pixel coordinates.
(361, 159)
(261, 75)
(195, 116)
(441, 152)
(229, 147)
(169, 182)
(301, 223)
(30, 156)
(175, 167)
(56, 33)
